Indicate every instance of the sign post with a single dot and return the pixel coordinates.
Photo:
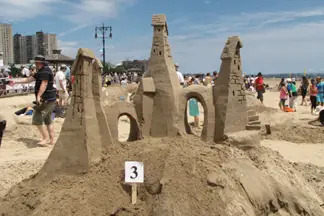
(134, 174)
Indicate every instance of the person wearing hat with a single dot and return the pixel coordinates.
(45, 95)
(179, 74)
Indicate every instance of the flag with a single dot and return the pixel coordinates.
(305, 71)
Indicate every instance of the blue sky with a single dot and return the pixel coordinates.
(279, 36)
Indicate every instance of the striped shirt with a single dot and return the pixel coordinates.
(45, 73)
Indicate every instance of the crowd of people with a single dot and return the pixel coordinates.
(52, 87)
(123, 78)
(290, 91)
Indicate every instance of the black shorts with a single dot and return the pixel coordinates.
(313, 101)
(304, 92)
(260, 95)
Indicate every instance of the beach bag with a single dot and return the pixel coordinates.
(288, 109)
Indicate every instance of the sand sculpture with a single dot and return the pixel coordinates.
(161, 101)
(156, 103)
(159, 108)
(85, 132)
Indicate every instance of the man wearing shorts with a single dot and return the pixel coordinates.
(259, 86)
(45, 95)
(60, 82)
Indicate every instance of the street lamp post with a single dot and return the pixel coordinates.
(103, 29)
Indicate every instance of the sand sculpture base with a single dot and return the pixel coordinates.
(85, 133)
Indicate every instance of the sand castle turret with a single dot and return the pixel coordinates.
(85, 132)
(157, 97)
(229, 93)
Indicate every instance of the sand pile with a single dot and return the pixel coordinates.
(297, 133)
(183, 176)
(253, 103)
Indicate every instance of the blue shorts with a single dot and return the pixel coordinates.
(193, 107)
(320, 98)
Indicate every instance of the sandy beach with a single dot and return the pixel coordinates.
(292, 137)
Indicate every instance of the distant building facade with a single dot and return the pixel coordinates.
(6, 43)
(20, 49)
(27, 47)
(136, 65)
(31, 47)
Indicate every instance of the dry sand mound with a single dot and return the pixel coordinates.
(297, 133)
(255, 104)
(183, 176)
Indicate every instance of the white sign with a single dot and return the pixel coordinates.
(134, 172)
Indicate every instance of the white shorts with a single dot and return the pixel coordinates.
(63, 95)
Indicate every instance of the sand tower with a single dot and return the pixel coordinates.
(157, 96)
(85, 132)
(229, 94)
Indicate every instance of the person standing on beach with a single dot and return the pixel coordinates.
(259, 86)
(208, 80)
(24, 71)
(179, 74)
(45, 95)
(304, 88)
(283, 96)
(320, 89)
(193, 106)
(61, 87)
(294, 94)
(313, 95)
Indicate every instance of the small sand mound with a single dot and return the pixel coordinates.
(183, 176)
(297, 133)
(253, 103)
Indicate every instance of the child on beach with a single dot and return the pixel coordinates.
(313, 95)
(283, 96)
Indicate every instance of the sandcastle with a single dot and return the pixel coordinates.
(159, 108)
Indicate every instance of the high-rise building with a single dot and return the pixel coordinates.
(51, 43)
(6, 43)
(20, 49)
(31, 47)
(46, 43)
(27, 47)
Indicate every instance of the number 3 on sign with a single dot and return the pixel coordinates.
(134, 172)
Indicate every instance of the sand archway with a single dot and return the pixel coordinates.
(202, 102)
(131, 133)
(203, 95)
(118, 110)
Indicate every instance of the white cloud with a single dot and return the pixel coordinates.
(247, 21)
(77, 28)
(81, 12)
(273, 41)
(89, 11)
(23, 9)
(69, 48)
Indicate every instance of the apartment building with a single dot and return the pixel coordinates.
(6, 43)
